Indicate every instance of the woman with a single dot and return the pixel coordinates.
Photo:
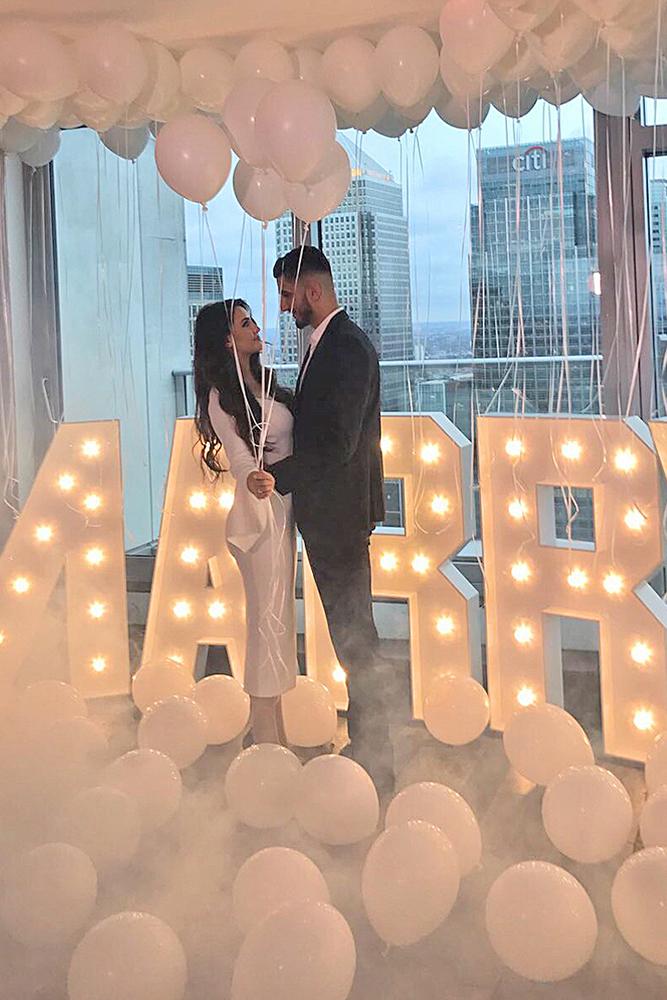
(229, 385)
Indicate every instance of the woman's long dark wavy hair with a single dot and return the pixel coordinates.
(215, 368)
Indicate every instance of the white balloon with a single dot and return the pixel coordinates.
(514, 101)
(472, 35)
(448, 811)
(177, 727)
(158, 680)
(239, 116)
(410, 882)
(462, 84)
(262, 784)
(542, 740)
(193, 157)
(309, 711)
(264, 58)
(587, 813)
(163, 81)
(112, 62)
(76, 749)
(43, 114)
(47, 895)
(639, 903)
(129, 144)
(407, 61)
(519, 64)
(104, 823)
(615, 98)
(653, 820)
(632, 34)
(350, 74)
(602, 10)
(541, 921)
(207, 77)
(467, 113)
(296, 125)
(152, 780)
(270, 879)
(128, 955)
(559, 90)
(35, 64)
(456, 709)
(655, 768)
(44, 149)
(562, 40)
(309, 66)
(302, 951)
(523, 15)
(337, 802)
(222, 699)
(48, 701)
(94, 111)
(260, 193)
(392, 124)
(363, 120)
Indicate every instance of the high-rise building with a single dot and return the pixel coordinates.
(534, 275)
(658, 244)
(204, 285)
(366, 242)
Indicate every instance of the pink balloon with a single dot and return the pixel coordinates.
(296, 124)
(349, 73)
(260, 193)
(472, 35)
(239, 115)
(407, 62)
(112, 63)
(316, 199)
(35, 64)
(193, 157)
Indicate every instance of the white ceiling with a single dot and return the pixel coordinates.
(182, 23)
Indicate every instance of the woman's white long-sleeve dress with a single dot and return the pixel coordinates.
(261, 537)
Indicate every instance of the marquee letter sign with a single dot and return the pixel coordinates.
(532, 576)
(197, 597)
(432, 460)
(73, 518)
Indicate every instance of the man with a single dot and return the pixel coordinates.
(335, 478)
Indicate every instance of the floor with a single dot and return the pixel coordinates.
(184, 874)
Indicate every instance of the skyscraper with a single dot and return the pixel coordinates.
(366, 241)
(533, 274)
(204, 285)
(658, 244)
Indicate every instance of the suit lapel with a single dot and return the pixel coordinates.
(319, 354)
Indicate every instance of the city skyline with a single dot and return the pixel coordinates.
(437, 220)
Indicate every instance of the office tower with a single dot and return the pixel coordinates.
(204, 285)
(366, 241)
(534, 276)
(658, 244)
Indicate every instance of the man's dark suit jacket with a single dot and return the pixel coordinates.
(335, 474)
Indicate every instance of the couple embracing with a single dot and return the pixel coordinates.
(312, 457)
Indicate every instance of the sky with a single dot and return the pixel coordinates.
(436, 169)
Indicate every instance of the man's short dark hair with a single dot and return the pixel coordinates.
(301, 261)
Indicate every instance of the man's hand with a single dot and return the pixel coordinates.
(261, 484)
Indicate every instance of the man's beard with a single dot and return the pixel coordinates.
(304, 320)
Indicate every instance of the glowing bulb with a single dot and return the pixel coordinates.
(641, 653)
(388, 561)
(216, 610)
(571, 450)
(90, 448)
(226, 500)
(386, 445)
(577, 579)
(520, 571)
(517, 509)
(190, 555)
(643, 720)
(439, 504)
(94, 556)
(92, 501)
(430, 453)
(182, 609)
(613, 583)
(2, 638)
(21, 585)
(43, 533)
(98, 663)
(625, 460)
(514, 447)
(66, 482)
(445, 625)
(198, 500)
(526, 696)
(339, 674)
(421, 563)
(524, 634)
(97, 609)
(634, 519)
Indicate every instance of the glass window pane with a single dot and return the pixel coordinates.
(656, 208)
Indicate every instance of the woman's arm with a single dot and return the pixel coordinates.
(241, 460)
